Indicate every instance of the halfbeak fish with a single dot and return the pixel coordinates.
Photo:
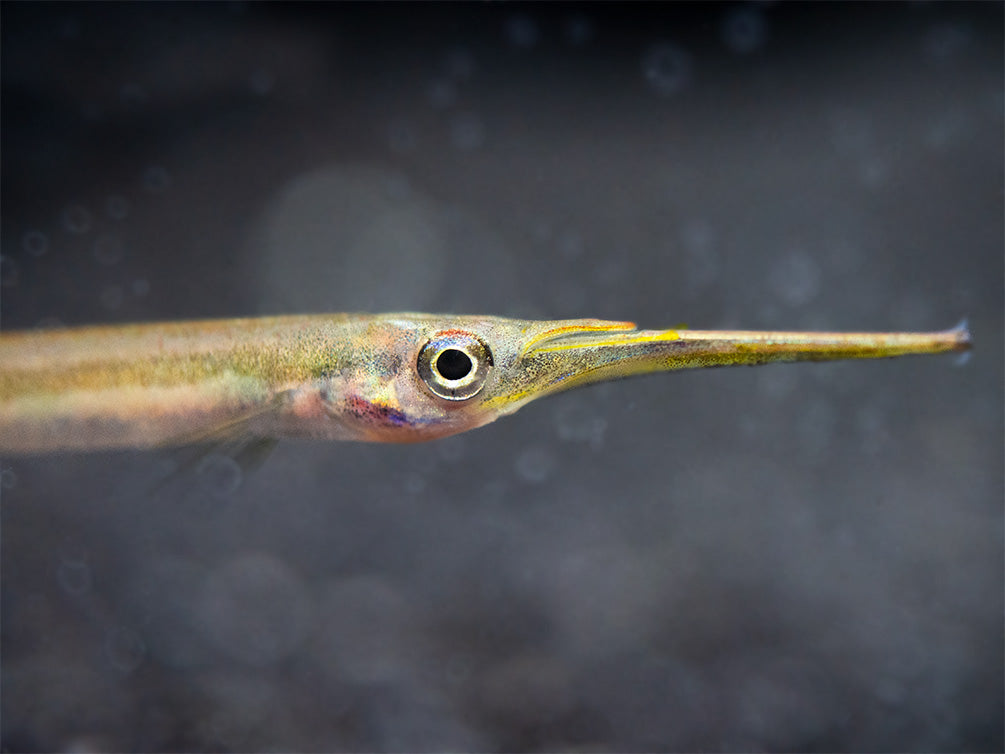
(381, 378)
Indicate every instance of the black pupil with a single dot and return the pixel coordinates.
(453, 364)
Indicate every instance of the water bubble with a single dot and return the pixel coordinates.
(219, 475)
(459, 65)
(795, 278)
(522, 31)
(8, 479)
(535, 464)
(156, 179)
(117, 207)
(744, 30)
(124, 649)
(667, 68)
(401, 136)
(442, 93)
(76, 219)
(10, 272)
(262, 82)
(112, 296)
(467, 132)
(140, 287)
(108, 249)
(35, 243)
(578, 30)
(74, 574)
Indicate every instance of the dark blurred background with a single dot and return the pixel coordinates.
(793, 558)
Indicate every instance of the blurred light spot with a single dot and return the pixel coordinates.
(336, 234)
(874, 172)
(367, 631)
(535, 464)
(578, 421)
(74, 574)
(851, 133)
(10, 272)
(69, 28)
(124, 649)
(219, 475)
(541, 231)
(459, 65)
(397, 187)
(611, 271)
(522, 31)
(701, 263)
(262, 82)
(874, 430)
(162, 593)
(35, 243)
(451, 449)
(570, 296)
(744, 30)
(112, 296)
(815, 427)
(795, 278)
(667, 68)
(950, 129)
(156, 179)
(256, 609)
(132, 95)
(441, 93)
(946, 41)
(570, 245)
(8, 479)
(117, 207)
(92, 112)
(401, 136)
(76, 219)
(777, 384)
(140, 287)
(108, 249)
(467, 132)
(526, 690)
(415, 483)
(578, 30)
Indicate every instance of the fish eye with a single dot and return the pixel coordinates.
(454, 365)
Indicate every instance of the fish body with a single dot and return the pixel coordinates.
(402, 377)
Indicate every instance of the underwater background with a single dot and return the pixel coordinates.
(799, 557)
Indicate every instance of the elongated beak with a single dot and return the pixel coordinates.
(574, 355)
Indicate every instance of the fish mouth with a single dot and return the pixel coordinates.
(573, 353)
